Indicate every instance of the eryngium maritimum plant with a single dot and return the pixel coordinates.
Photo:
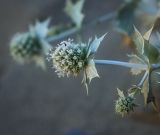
(71, 58)
(31, 46)
(124, 105)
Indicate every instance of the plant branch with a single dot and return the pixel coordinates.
(120, 63)
(75, 29)
(143, 78)
(63, 34)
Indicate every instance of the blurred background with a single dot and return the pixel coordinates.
(37, 102)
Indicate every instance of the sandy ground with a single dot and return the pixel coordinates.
(37, 102)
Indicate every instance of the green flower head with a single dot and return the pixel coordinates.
(124, 105)
(70, 58)
(32, 45)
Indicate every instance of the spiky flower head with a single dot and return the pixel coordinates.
(71, 58)
(32, 45)
(124, 105)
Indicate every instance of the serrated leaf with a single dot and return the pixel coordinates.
(147, 91)
(40, 28)
(136, 59)
(151, 52)
(74, 11)
(147, 35)
(139, 41)
(94, 45)
(120, 93)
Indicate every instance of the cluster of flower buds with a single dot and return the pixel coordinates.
(124, 105)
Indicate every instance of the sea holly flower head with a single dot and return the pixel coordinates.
(124, 105)
(70, 58)
(32, 45)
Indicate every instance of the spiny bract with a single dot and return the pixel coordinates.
(124, 105)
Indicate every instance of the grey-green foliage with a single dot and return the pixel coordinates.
(147, 54)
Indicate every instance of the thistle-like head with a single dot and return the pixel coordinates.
(71, 58)
(31, 45)
(124, 105)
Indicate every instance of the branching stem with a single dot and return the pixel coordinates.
(143, 78)
(120, 63)
(73, 30)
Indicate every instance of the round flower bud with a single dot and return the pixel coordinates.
(124, 105)
(25, 46)
(69, 58)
